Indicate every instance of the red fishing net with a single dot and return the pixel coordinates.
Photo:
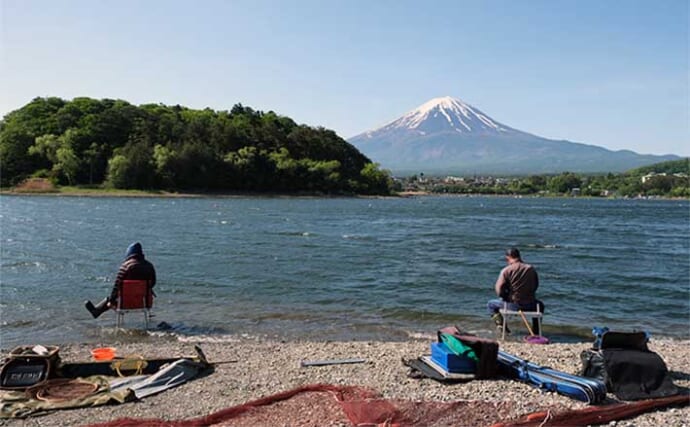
(596, 415)
(331, 405)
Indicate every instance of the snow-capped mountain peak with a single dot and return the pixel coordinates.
(448, 136)
(444, 114)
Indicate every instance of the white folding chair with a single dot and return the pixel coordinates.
(505, 312)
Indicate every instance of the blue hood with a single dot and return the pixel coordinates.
(133, 249)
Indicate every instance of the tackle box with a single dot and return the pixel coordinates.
(451, 362)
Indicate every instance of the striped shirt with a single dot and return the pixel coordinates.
(136, 267)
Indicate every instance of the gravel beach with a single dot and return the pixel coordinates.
(258, 368)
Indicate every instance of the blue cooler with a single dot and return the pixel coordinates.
(450, 361)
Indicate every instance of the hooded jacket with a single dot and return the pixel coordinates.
(134, 267)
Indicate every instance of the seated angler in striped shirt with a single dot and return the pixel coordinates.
(134, 267)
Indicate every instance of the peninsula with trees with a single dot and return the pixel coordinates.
(113, 144)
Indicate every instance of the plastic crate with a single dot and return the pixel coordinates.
(450, 361)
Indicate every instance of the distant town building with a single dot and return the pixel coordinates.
(651, 175)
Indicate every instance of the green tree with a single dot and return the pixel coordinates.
(564, 183)
(164, 159)
(92, 156)
(59, 151)
(118, 168)
(376, 181)
(659, 185)
(537, 182)
(47, 146)
(132, 168)
(18, 131)
(68, 163)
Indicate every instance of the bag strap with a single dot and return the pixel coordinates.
(134, 363)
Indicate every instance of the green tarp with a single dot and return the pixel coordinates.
(107, 390)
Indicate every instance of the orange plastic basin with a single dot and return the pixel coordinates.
(103, 353)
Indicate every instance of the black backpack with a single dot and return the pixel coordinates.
(625, 364)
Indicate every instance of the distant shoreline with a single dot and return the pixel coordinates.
(190, 195)
(175, 195)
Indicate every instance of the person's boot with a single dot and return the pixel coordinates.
(498, 320)
(97, 310)
(535, 326)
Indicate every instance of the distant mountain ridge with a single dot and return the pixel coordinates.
(447, 135)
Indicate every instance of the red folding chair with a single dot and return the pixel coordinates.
(134, 295)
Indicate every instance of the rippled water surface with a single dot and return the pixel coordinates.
(330, 268)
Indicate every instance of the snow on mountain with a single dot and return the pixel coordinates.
(448, 135)
(444, 114)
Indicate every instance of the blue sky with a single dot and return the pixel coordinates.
(607, 73)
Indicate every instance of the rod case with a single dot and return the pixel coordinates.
(587, 390)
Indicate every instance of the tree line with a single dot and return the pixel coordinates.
(668, 179)
(113, 143)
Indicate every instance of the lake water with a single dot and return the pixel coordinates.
(341, 268)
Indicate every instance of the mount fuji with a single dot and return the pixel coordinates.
(446, 135)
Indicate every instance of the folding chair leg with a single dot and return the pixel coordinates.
(505, 324)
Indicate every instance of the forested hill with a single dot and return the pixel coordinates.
(670, 167)
(114, 143)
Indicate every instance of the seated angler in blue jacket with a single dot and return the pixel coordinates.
(517, 287)
(134, 267)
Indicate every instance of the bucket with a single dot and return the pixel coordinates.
(103, 353)
(536, 339)
(532, 339)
